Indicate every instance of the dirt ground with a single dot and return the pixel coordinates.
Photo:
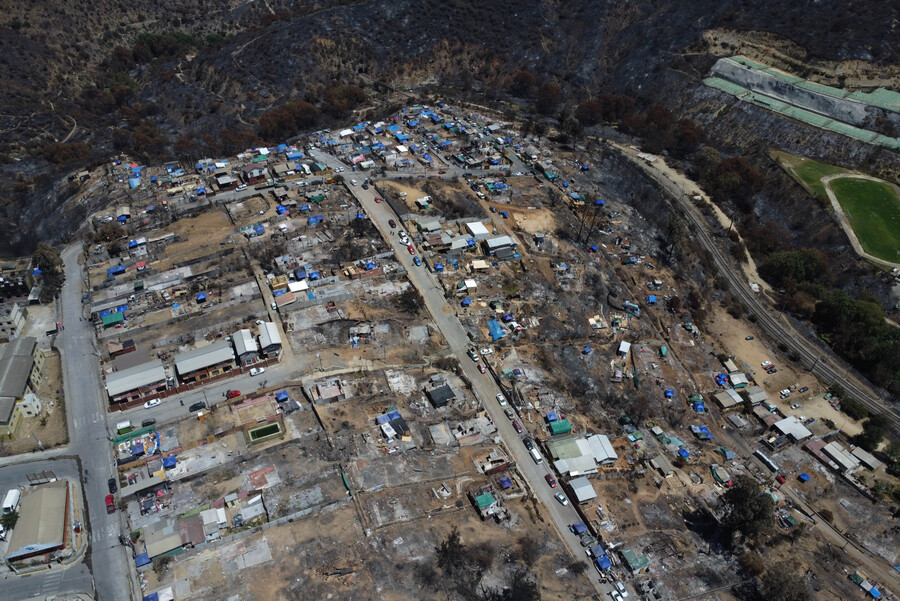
(54, 431)
(251, 210)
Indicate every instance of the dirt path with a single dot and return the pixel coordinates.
(691, 189)
(845, 222)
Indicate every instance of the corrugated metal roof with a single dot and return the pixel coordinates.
(204, 356)
(268, 335)
(135, 377)
(244, 342)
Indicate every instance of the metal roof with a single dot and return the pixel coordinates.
(204, 356)
(268, 335)
(15, 366)
(244, 342)
(582, 489)
(135, 377)
(602, 449)
(42, 520)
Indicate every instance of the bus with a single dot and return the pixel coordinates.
(766, 461)
(536, 455)
(11, 502)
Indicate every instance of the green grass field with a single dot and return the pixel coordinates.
(807, 172)
(874, 212)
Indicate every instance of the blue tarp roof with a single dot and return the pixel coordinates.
(804, 477)
(552, 417)
(314, 275)
(496, 329)
(137, 449)
(169, 461)
(651, 299)
(142, 559)
(278, 292)
(201, 296)
(439, 266)
(604, 563)
(506, 482)
(594, 247)
(683, 453)
(874, 592)
(115, 270)
(370, 265)
(669, 393)
(258, 229)
(36, 271)
(281, 395)
(579, 527)
(427, 157)
(122, 218)
(466, 302)
(300, 273)
(134, 182)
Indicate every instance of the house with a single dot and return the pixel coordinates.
(728, 399)
(846, 461)
(638, 564)
(757, 395)
(866, 458)
(245, 347)
(582, 490)
(43, 523)
(486, 503)
(254, 173)
(738, 379)
(205, 362)
(663, 465)
(269, 339)
(602, 449)
(136, 382)
(440, 395)
(12, 319)
(624, 348)
(21, 373)
(477, 230)
(493, 245)
(792, 427)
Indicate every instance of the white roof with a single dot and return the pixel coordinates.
(499, 241)
(728, 398)
(582, 489)
(432, 225)
(135, 377)
(738, 378)
(401, 148)
(298, 286)
(244, 342)
(268, 334)
(480, 264)
(346, 132)
(476, 228)
(866, 458)
(793, 427)
(204, 356)
(575, 466)
(624, 347)
(730, 366)
(602, 449)
(471, 283)
(841, 456)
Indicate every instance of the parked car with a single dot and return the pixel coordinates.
(766, 364)
(110, 504)
(550, 480)
(148, 422)
(152, 403)
(482, 368)
(473, 354)
(392, 223)
(354, 182)
(804, 389)
(242, 187)
(487, 351)
(232, 393)
(528, 443)
(749, 338)
(197, 407)
(377, 199)
(417, 261)
(561, 498)
(620, 586)
(501, 399)
(411, 249)
(255, 371)
(772, 371)
(510, 413)
(517, 426)
(785, 393)
(113, 485)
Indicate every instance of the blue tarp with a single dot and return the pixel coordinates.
(565, 184)
(142, 559)
(314, 275)
(683, 453)
(392, 415)
(604, 563)
(122, 218)
(439, 267)
(151, 208)
(699, 407)
(651, 299)
(507, 317)
(114, 271)
(370, 265)
(804, 477)
(669, 393)
(466, 302)
(281, 209)
(506, 482)
(496, 330)
(134, 182)
(36, 271)
(132, 243)
(579, 527)
(169, 462)
(314, 220)
(277, 293)
(427, 157)
(552, 417)
(137, 449)
(201, 191)
(201, 296)
(382, 419)
(599, 202)
(301, 274)
(594, 248)
(281, 395)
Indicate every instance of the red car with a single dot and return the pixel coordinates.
(110, 504)
(550, 480)
(517, 426)
(411, 249)
(232, 393)
(482, 368)
(377, 199)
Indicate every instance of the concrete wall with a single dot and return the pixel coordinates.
(849, 111)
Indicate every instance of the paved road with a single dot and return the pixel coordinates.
(821, 361)
(483, 385)
(89, 435)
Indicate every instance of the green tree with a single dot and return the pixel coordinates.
(791, 266)
(781, 583)
(9, 520)
(747, 510)
(873, 432)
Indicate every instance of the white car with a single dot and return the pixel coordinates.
(766, 364)
(501, 399)
(152, 403)
(620, 586)
(340, 169)
(354, 182)
(785, 393)
(615, 595)
(242, 187)
(562, 500)
(255, 371)
(487, 351)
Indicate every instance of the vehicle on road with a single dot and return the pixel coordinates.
(510, 414)
(482, 368)
(493, 209)
(11, 502)
(152, 403)
(113, 485)
(241, 188)
(550, 480)
(804, 389)
(536, 455)
(354, 182)
(274, 306)
(257, 370)
(411, 249)
(616, 596)
(232, 393)
(365, 186)
(473, 354)
(110, 504)
(392, 223)
(417, 261)
(377, 199)
(517, 427)
(197, 407)
(340, 169)
(620, 586)
(501, 399)
(561, 498)
(749, 338)
(148, 422)
(529, 444)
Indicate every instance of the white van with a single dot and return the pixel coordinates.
(11, 502)
(124, 427)
(536, 455)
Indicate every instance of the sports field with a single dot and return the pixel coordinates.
(874, 212)
(807, 172)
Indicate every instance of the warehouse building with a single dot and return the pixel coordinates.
(142, 380)
(205, 362)
(43, 522)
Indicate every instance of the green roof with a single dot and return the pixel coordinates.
(634, 562)
(317, 198)
(113, 318)
(855, 577)
(560, 426)
(485, 500)
(637, 435)
(791, 520)
(261, 159)
(563, 449)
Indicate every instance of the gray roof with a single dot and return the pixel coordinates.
(268, 335)
(204, 356)
(42, 520)
(244, 342)
(499, 242)
(15, 366)
(582, 489)
(135, 377)
(7, 404)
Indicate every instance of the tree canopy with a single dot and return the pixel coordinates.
(747, 510)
